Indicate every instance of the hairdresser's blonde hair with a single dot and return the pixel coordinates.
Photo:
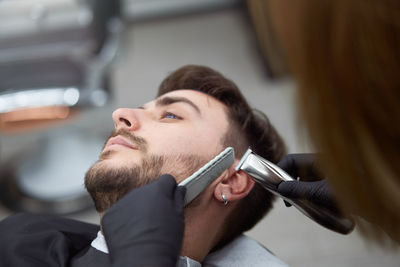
(345, 55)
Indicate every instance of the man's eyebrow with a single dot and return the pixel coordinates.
(168, 100)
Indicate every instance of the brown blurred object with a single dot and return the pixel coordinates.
(28, 119)
(345, 56)
(267, 39)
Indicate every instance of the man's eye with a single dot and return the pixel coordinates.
(169, 115)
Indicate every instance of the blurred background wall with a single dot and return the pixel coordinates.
(220, 35)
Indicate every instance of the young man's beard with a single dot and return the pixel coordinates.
(107, 185)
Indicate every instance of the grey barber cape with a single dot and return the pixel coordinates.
(243, 251)
(30, 240)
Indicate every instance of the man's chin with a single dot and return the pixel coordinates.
(116, 159)
(109, 180)
(107, 154)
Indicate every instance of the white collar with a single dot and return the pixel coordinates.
(99, 243)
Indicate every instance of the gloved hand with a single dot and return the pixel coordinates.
(145, 227)
(305, 167)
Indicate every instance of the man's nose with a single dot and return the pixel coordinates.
(125, 118)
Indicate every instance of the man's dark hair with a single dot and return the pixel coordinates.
(247, 128)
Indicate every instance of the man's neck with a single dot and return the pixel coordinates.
(203, 229)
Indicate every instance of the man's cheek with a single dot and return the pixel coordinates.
(171, 146)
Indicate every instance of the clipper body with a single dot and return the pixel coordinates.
(269, 176)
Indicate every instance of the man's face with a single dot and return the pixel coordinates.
(176, 134)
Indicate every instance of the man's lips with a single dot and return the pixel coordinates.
(120, 141)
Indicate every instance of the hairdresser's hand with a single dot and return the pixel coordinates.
(145, 227)
(305, 167)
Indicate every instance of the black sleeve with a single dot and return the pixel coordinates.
(30, 240)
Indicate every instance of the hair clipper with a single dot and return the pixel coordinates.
(268, 175)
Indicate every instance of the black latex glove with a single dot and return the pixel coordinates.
(314, 189)
(145, 227)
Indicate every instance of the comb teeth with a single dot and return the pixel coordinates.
(199, 180)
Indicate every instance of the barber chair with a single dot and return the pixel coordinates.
(55, 59)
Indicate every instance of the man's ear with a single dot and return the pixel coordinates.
(234, 186)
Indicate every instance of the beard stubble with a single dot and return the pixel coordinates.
(106, 185)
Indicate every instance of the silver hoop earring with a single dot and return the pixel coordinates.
(224, 199)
